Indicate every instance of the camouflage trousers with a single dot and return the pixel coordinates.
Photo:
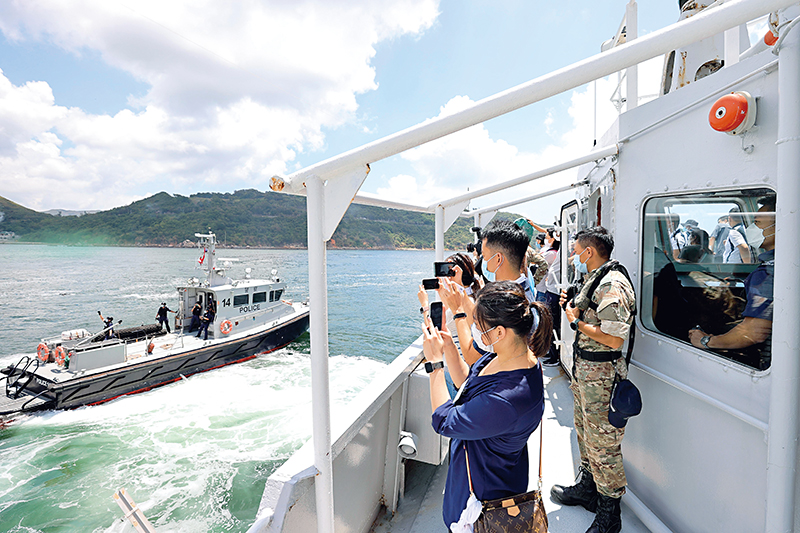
(598, 441)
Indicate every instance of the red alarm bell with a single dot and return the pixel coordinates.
(734, 113)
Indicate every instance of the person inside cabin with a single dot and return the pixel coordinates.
(736, 248)
(501, 399)
(197, 311)
(504, 246)
(697, 251)
(677, 238)
(756, 326)
(161, 316)
(108, 325)
(716, 242)
(206, 320)
(601, 316)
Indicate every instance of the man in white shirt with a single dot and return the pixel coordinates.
(736, 249)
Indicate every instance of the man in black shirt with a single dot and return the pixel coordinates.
(197, 310)
(206, 321)
(161, 316)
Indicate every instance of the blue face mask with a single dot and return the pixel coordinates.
(477, 336)
(576, 262)
(488, 274)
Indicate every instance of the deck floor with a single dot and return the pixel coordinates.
(420, 510)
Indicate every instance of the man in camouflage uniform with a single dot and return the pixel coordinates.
(532, 257)
(601, 321)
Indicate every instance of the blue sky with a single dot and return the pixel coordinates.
(103, 102)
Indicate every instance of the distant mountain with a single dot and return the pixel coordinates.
(68, 213)
(243, 218)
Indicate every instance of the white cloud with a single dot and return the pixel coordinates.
(237, 89)
(472, 159)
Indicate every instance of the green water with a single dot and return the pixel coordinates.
(194, 455)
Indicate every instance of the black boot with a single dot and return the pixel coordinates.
(583, 492)
(608, 518)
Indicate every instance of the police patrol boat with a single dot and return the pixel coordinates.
(80, 368)
(716, 447)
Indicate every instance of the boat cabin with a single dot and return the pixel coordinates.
(245, 304)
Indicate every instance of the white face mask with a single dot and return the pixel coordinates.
(477, 336)
(755, 235)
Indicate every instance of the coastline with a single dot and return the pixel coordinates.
(219, 246)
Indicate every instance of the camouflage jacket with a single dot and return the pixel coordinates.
(616, 302)
(535, 258)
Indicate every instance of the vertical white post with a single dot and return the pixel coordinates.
(632, 74)
(731, 38)
(320, 389)
(439, 230)
(785, 372)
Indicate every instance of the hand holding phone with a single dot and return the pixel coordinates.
(443, 269)
(430, 284)
(437, 314)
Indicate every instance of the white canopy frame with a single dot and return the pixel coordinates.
(332, 185)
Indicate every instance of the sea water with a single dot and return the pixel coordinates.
(195, 454)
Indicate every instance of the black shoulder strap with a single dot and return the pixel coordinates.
(616, 265)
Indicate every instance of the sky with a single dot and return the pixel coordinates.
(105, 102)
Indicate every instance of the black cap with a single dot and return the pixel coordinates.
(626, 401)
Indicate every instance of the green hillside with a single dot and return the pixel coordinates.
(243, 218)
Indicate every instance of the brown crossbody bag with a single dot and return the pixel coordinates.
(519, 513)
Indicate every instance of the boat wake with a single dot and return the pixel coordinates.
(189, 453)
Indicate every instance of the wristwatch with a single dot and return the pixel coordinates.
(574, 324)
(704, 341)
(459, 315)
(430, 367)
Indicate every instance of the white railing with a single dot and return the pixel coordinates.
(332, 185)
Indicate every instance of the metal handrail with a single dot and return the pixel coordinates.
(680, 34)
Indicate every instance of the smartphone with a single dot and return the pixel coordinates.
(430, 284)
(443, 269)
(437, 314)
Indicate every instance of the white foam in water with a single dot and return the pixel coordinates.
(175, 445)
(194, 454)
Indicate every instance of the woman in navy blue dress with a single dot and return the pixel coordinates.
(501, 397)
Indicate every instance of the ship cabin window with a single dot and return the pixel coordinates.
(259, 297)
(241, 299)
(274, 296)
(708, 272)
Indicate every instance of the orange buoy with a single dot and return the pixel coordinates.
(43, 352)
(60, 355)
(226, 327)
(770, 38)
(734, 113)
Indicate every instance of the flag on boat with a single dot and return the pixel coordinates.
(203, 257)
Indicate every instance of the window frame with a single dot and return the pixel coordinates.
(645, 289)
(237, 300)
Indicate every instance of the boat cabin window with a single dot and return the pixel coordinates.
(241, 299)
(259, 297)
(274, 296)
(708, 265)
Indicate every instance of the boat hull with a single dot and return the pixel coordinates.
(134, 378)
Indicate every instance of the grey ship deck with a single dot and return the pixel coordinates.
(420, 510)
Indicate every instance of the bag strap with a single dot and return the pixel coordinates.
(541, 440)
(614, 265)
